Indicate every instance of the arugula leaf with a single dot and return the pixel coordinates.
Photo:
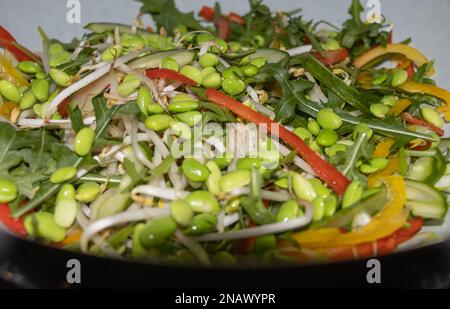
(164, 167)
(131, 171)
(76, 117)
(103, 114)
(131, 108)
(63, 155)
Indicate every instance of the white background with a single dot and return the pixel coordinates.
(427, 22)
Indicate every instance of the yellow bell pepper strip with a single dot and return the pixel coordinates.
(409, 52)
(9, 72)
(375, 179)
(383, 148)
(6, 109)
(391, 218)
(401, 105)
(413, 87)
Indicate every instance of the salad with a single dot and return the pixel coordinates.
(224, 139)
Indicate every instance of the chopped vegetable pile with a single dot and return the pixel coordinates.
(223, 140)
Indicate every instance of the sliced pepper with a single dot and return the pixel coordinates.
(409, 52)
(331, 57)
(7, 41)
(375, 179)
(391, 218)
(9, 72)
(416, 121)
(14, 225)
(401, 105)
(383, 148)
(207, 13)
(236, 18)
(327, 172)
(169, 74)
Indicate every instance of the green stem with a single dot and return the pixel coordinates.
(354, 154)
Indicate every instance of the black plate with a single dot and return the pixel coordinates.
(28, 264)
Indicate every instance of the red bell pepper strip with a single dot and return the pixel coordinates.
(223, 27)
(410, 71)
(331, 57)
(236, 18)
(62, 108)
(7, 41)
(12, 224)
(413, 120)
(169, 74)
(324, 170)
(207, 13)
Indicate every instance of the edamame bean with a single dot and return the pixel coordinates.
(304, 134)
(319, 188)
(250, 70)
(60, 78)
(129, 85)
(288, 211)
(40, 89)
(9, 91)
(222, 46)
(235, 46)
(334, 149)
(181, 212)
(367, 169)
(8, 191)
(157, 231)
(399, 77)
(27, 101)
(132, 42)
(144, 99)
(328, 119)
(259, 41)
(66, 192)
(29, 67)
(59, 58)
(190, 118)
(207, 71)
(182, 103)
(208, 60)
(223, 162)
(193, 73)
(194, 170)
(234, 180)
(331, 44)
(233, 86)
(158, 122)
(362, 128)
(302, 188)
(63, 174)
(202, 224)
(112, 53)
(233, 73)
(138, 251)
(43, 225)
(155, 108)
(213, 81)
(264, 244)
(379, 110)
(169, 63)
(327, 137)
(181, 129)
(330, 205)
(65, 212)
(379, 163)
(87, 192)
(41, 75)
(84, 141)
(212, 183)
(379, 78)
(248, 163)
(55, 48)
(431, 116)
(313, 126)
(316, 147)
(204, 202)
(318, 208)
(282, 183)
(353, 194)
(203, 38)
(389, 100)
(223, 259)
(259, 61)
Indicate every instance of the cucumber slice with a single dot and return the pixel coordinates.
(152, 61)
(443, 183)
(425, 201)
(428, 169)
(272, 55)
(110, 27)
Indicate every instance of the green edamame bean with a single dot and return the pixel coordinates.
(170, 63)
(259, 61)
(208, 60)
(65, 212)
(207, 71)
(362, 128)
(201, 224)
(282, 183)
(204, 202)
(379, 78)
(379, 163)
(389, 100)
(9, 91)
(129, 85)
(367, 169)
(59, 58)
(353, 194)
(313, 126)
(223, 46)
(334, 149)
(63, 174)
(264, 244)
(330, 205)
(304, 134)
(223, 259)
(318, 208)
(66, 192)
(379, 110)
(132, 42)
(8, 190)
(182, 103)
(315, 146)
(190, 118)
(234, 46)
(158, 122)
(194, 170)
(431, 116)
(303, 188)
(213, 81)
(250, 70)
(29, 67)
(319, 188)
(233, 86)
(288, 211)
(40, 89)
(331, 44)
(399, 77)
(43, 225)
(181, 212)
(212, 183)
(328, 119)
(41, 75)
(155, 108)
(84, 141)
(327, 137)
(60, 77)
(203, 38)
(248, 163)
(27, 101)
(112, 53)
(233, 73)
(223, 162)
(55, 48)
(144, 99)
(193, 73)
(181, 129)
(157, 231)
(234, 180)
(138, 251)
(87, 192)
